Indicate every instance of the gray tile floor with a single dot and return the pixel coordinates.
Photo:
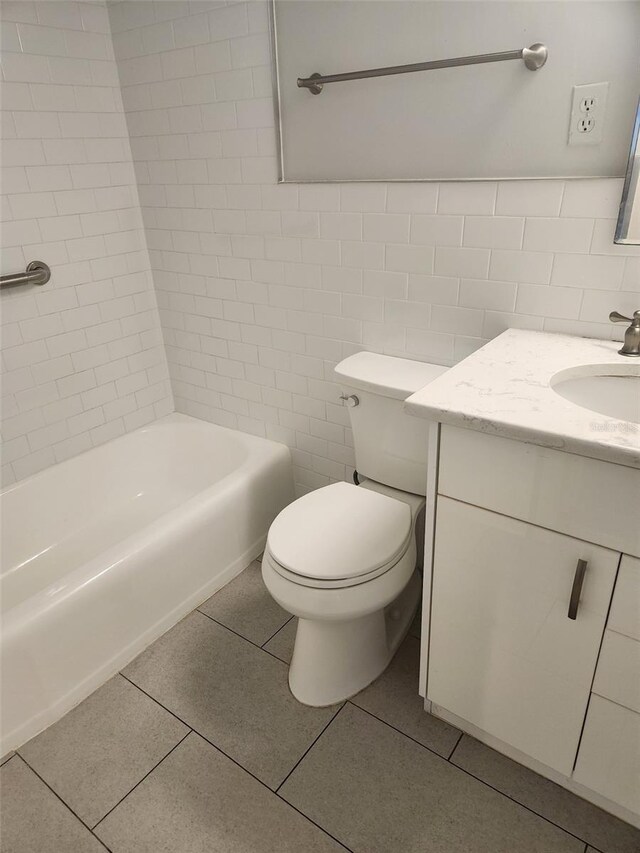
(199, 746)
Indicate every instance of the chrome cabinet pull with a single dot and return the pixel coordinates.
(576, 589)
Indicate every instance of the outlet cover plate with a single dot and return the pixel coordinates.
(588, 109)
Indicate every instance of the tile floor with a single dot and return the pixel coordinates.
(199, 746)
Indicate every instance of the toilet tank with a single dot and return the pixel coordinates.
(390, 445)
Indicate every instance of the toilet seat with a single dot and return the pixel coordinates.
(339, 536)
(340, 583)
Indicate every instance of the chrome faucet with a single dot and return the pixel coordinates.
(631, 344)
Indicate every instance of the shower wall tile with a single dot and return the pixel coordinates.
(263, 287)
(83, 357)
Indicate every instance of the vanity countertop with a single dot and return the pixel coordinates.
(504, 389)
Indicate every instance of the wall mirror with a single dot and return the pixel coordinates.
(628, 227)
(487, 119)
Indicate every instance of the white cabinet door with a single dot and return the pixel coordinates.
(504, 654)
(609, 757)
(618, 671)
(625, 607)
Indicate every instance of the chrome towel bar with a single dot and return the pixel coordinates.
(37, 272)
(534, 57)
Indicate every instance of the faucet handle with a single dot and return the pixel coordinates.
(616, 317)
(631, 344)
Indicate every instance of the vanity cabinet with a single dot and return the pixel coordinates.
(608, 761)
(609, 756)
(508, 526)
(505, 654)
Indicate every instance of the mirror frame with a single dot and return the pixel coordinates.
(282, 177)
(631, 188)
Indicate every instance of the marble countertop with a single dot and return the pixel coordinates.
(504, 389)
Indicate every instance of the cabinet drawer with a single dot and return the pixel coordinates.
(592, 500)
(625, 608)
(618, 670)
(609, 757)
(503, 653)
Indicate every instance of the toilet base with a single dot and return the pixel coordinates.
(334, 660)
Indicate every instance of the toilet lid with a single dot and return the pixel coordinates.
(339, 531)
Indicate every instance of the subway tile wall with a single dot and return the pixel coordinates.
(82, 358)
(264, 287)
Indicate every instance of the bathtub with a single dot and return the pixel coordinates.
(103, 553)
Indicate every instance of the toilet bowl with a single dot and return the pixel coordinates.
(343, 559)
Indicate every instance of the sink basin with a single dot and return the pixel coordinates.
(612, 390)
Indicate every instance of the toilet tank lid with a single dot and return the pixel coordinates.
(387, 375)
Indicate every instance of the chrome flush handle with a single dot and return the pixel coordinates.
(351, 400)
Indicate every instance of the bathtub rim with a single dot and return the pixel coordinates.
(150, 531)
(172, 418)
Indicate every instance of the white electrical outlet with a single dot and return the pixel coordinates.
(588, 107)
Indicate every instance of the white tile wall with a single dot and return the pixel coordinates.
(264, 287)
(82, 358)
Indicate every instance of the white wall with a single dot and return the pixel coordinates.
(82, 357)
(264, 287)
(481, 121)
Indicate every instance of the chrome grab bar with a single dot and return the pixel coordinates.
(534, 57)
(37, 272)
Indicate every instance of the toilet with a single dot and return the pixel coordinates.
(346, 559)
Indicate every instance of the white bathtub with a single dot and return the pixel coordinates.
(103, 553)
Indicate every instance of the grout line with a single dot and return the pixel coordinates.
(173, 714)
(311, 745)
(274, 634)
(306, 817)
(455, 747)
(65, 804)
(140, 781)
(237, 764)
(391, 726)
(6, 758)
(242, 637)
(523, 805)
(477, 778)
(404, 734)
